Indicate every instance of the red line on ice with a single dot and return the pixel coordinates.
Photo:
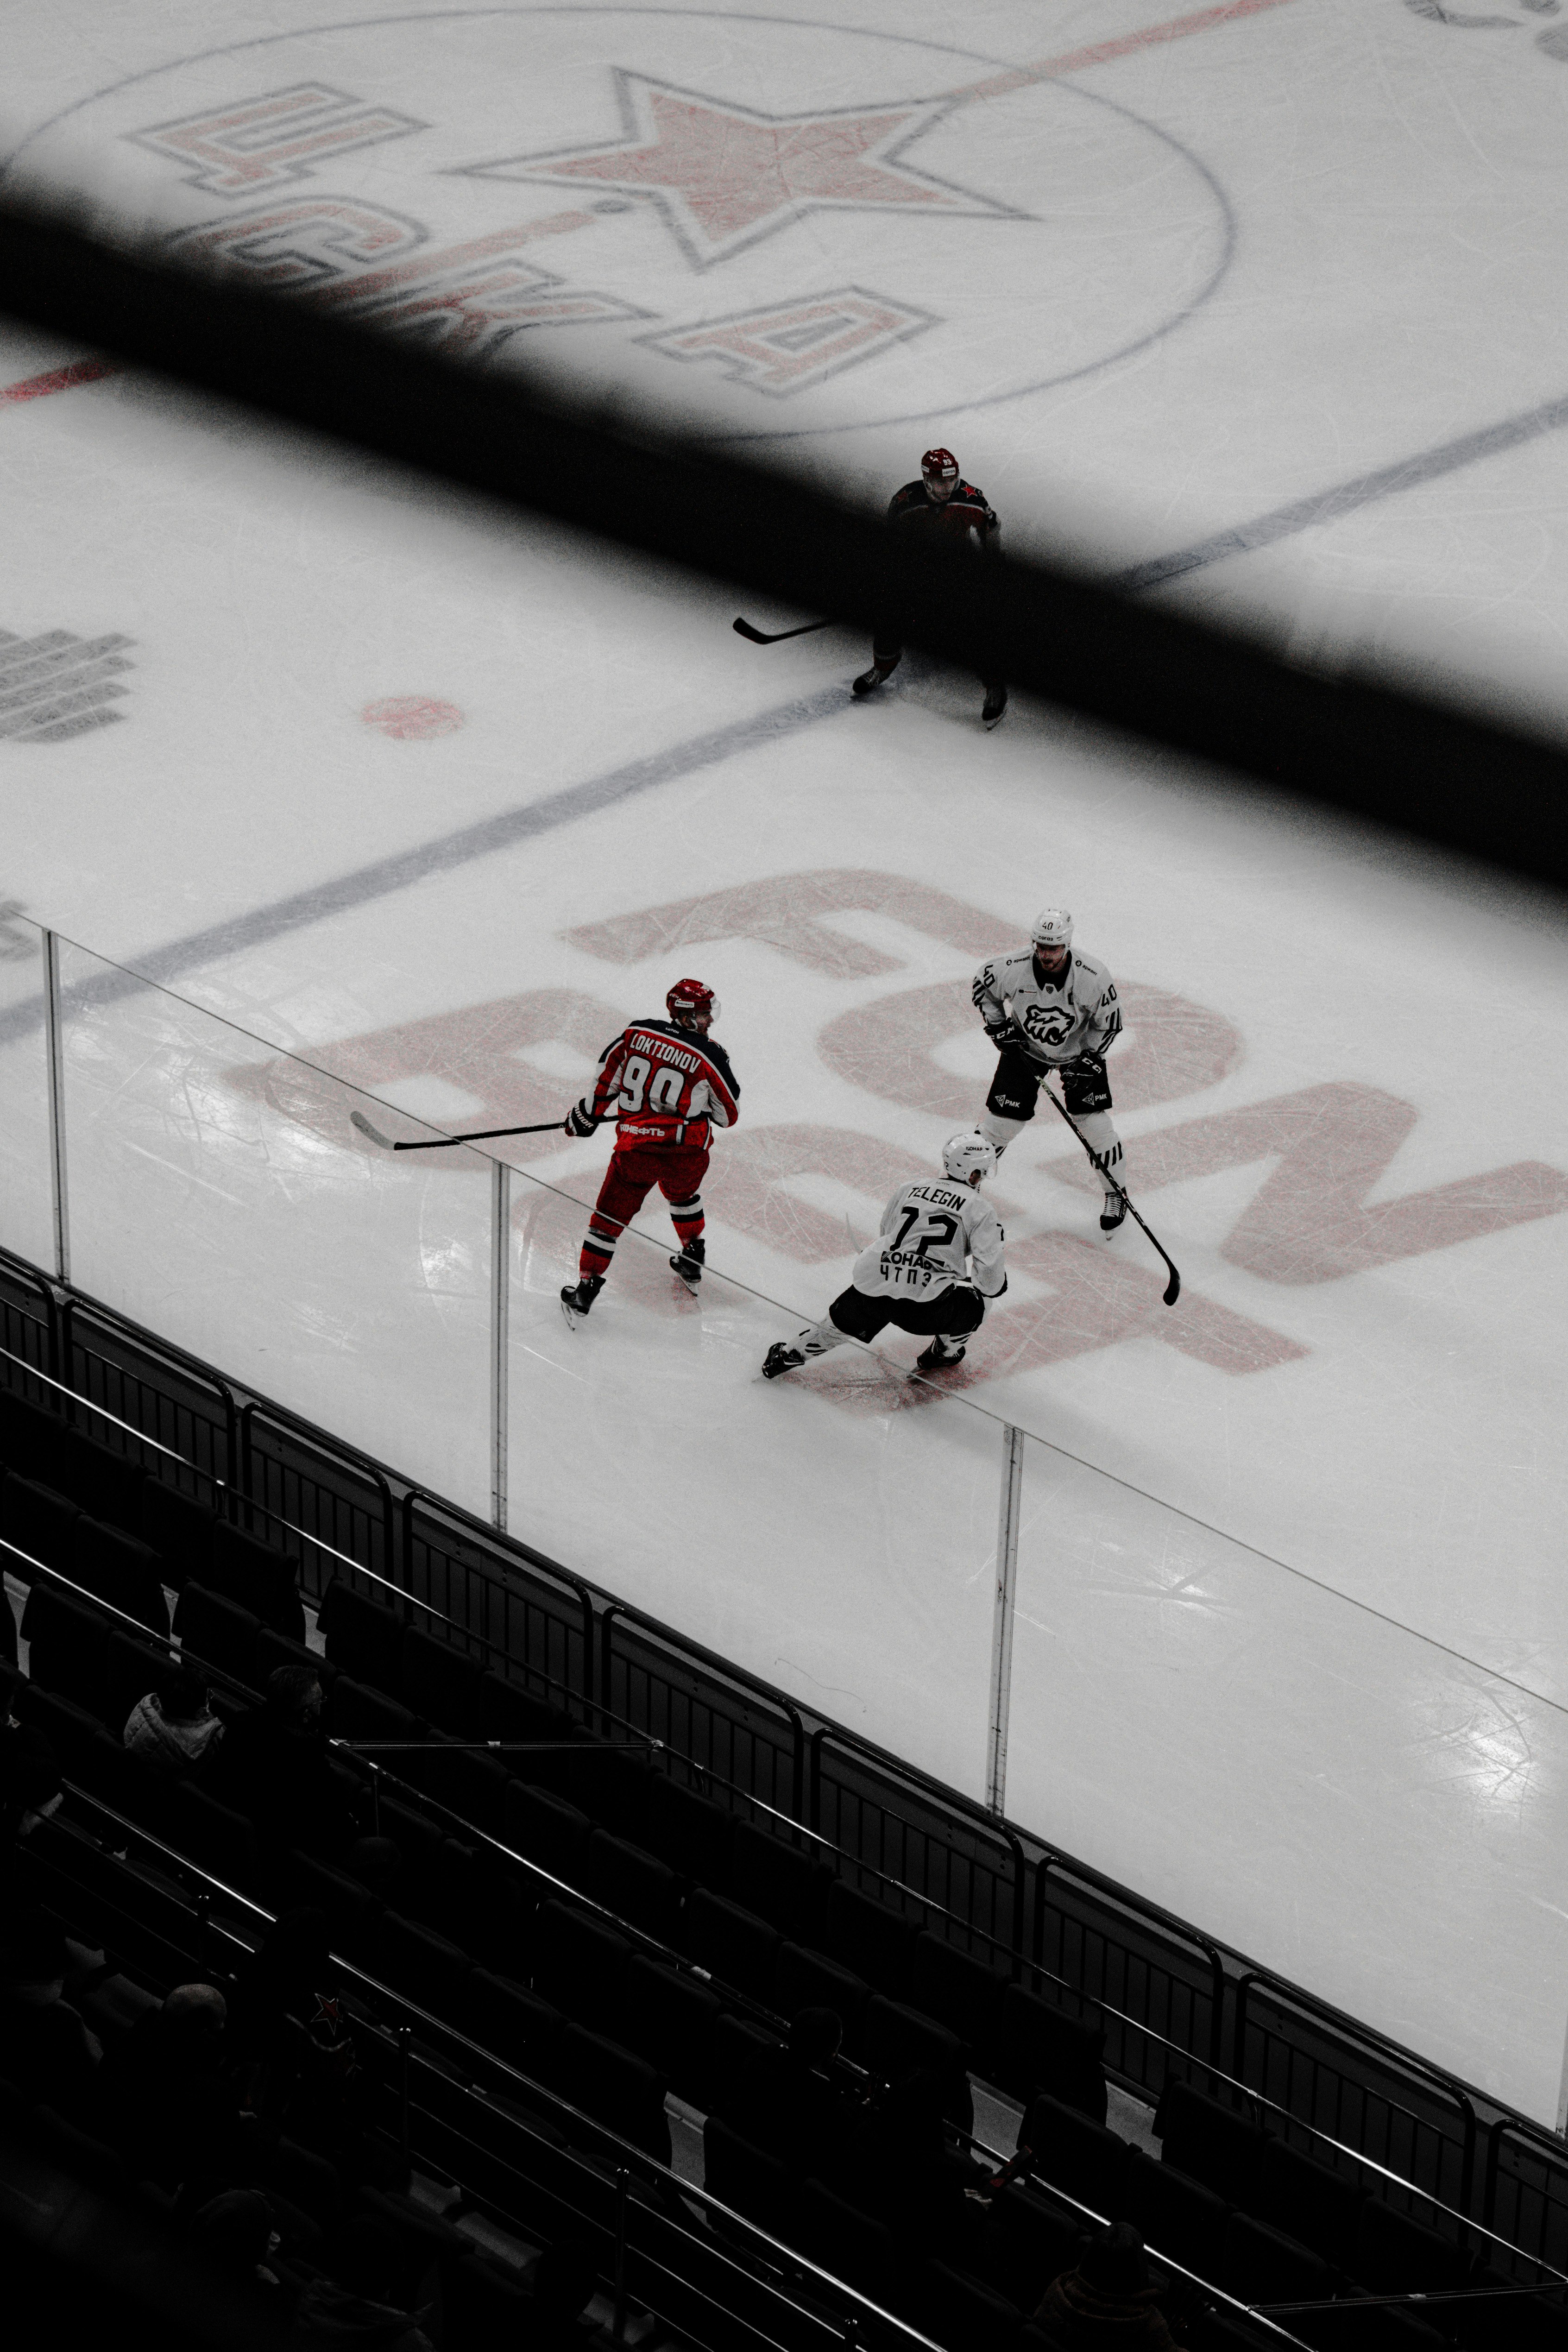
(1176, 28)
(34, 388)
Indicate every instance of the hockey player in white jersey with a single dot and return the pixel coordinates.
(1045, 1009)
(938, 1259)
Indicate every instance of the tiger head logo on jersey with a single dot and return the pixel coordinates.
(1048, 1025)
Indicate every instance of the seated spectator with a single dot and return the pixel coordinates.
(294, 2039)
(234, 2230)
(170, 2105)
(356, 2304)
(1109, 2300)
(46, 2049)
(274, 1765)
(174, 1727)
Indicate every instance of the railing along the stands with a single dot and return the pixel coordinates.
(1172, 1997)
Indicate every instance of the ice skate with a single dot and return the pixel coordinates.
(781, 1359)
(690, 1263)
(870, 679)
(995, 702)
(1114, 1212)
(577, 1298)
(940, 1356)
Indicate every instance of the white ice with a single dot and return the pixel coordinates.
(1290, 1654)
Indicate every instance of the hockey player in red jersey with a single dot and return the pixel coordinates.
(667, 1084)
(940, 500)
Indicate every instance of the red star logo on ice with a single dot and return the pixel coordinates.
(725, 176)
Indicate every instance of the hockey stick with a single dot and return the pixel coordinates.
(443, 1142)
(744, 629)
(1173, 1287)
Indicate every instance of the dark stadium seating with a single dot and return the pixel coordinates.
(580, 2002)
(179, 1528)
(255, 1577)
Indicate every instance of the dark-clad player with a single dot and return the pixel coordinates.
(941, 500)
(667, 1084)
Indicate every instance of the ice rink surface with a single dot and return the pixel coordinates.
(1256, 305)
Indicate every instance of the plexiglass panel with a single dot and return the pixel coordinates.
(220, 1196)
(835, 1531)
(1327, 1792)
(26, 1214)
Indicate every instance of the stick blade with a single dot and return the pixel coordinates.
(357, 1118)
(744, 629)
(1172, 1288)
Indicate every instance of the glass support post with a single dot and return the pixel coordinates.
(1002, 1622)
(500, 1341)
(57, 1196)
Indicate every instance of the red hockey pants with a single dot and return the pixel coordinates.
(634, 1168)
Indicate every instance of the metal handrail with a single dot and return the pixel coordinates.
(667, 1952)
(638, 2158)
(1367, 2037)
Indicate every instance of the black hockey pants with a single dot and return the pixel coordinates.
(1015, 1089)
(953, 1314)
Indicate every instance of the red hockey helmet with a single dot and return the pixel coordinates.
(689, 1000)
(940, 465)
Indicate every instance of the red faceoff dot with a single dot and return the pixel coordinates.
(413, 716)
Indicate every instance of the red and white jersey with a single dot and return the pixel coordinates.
(663, 1085)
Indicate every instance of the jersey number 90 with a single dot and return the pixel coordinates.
(664, 1094)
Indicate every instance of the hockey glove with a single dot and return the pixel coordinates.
(579, 1121)
(1007, 1036)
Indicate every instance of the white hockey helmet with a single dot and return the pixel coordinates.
(965, 1155)
(1052, 928)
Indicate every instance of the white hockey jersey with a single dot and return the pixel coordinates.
(932, 1235)
(1060, 1020)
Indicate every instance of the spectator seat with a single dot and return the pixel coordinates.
(1178, 2215)
(39, 1521)
(363, 1637)
(418, 1962)
(33, 1441)
(805, 1980)
(1210, 2141)
(442, 1683)
(689, 1831)
(1027, 2243)
(746, 2178)
(120, 1570)
(733, 1944)
(1080, 2157)
(549, 1830)
(180, 1529)
(104, 1480)
(256, 1577)
(637, 1886)
(579, 1961)
(615, 2086)
(785, 1885)
(517, 2024)
(218, 1633)
(668, 2017)
(871, 1937)
(1309, 2200)
(213, 1836)
(1042, 2047)
(963, 1993)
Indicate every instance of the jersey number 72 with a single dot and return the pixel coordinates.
(940, 1230)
